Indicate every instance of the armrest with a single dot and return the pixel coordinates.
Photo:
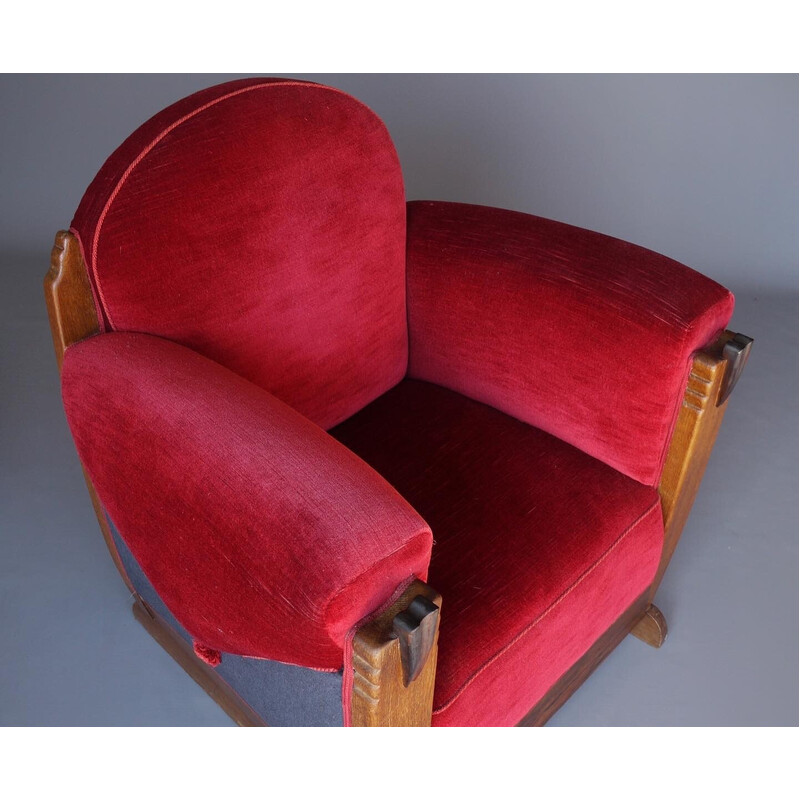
(263, 535)
(584, 336)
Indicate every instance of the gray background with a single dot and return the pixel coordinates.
(702, 168)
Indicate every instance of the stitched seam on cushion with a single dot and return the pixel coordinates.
(553, 605)
(160, 137)
(412, 540)
(278, 661)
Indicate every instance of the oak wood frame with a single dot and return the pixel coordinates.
(382, 693)
(73, 317)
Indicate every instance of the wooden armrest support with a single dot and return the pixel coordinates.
(68, 295)
(713, 375)
(394, 662)
(73, 318)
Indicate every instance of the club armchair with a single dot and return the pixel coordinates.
(369, 462)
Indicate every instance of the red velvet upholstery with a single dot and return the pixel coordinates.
(262, 224)
(584, 336)
(539, 547)
(248, 252)
(262, 534)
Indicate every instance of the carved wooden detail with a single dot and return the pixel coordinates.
(68, 295)
(70, 307)
(415, 629)
(696, 430)
(381, 696)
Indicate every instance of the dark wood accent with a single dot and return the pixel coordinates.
(651, 628)
(207, 677)
(735, 351)
(572, 679)
(72, 314)
(695, 432)
(381, 696)
(415, 629)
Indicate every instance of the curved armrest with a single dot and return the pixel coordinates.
(584, 336)
(263, 535)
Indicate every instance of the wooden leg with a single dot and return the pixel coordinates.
(651, 628)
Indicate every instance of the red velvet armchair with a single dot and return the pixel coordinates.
(364, 462)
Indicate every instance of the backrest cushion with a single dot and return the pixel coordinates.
(262, 224)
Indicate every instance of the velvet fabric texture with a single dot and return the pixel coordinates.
(262, 224)
(263, 535)
(539, 547)
(258, 281)
(584, 336)
(283, 695)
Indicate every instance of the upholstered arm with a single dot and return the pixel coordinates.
(585, 336)
(263, 535)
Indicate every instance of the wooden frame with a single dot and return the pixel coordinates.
(72, 314)
(383, 692)
(394, 655)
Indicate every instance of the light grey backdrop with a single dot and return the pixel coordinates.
(702, 168)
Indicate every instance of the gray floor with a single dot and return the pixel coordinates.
(72, 653)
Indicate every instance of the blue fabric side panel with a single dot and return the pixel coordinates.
(281, 694)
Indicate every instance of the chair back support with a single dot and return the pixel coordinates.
(261, 223)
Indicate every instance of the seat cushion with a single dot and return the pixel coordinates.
(538, 549)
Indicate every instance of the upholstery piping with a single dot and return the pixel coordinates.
(160, 137)
(556, 602)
